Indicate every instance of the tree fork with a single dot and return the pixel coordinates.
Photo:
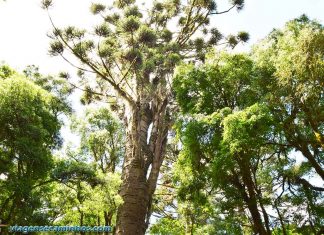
(138, 184)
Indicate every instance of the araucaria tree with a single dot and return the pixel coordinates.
(131, 56)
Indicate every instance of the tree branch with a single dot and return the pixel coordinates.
(306, 184)
(222, 12)
(119, 90)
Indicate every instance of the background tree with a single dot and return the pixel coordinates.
(102, 143)
(82, 195)
(102, 139)
(131, 56)
(223, 146)
(245, 120)
(84, 181)
(29, 132)
(291, 60)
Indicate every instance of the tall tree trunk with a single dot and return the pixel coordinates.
(305, 151)
(134, 191)
(108, 217)
(252, 201)
(264, 212)
(142, 154)
(284, 232)
(265, 216)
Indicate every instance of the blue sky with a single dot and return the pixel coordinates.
(24, 25)
(259, 17)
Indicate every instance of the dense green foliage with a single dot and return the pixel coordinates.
(91, 177)
(247, 119)
(40, 185)
(29, 131)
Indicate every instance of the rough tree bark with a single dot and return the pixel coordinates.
(146, 138)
